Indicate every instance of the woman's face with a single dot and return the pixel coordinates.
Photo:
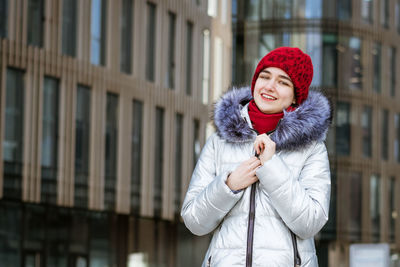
(273, 91)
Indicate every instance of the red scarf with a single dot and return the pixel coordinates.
(263, 123)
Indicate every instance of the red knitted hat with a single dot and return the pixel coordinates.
(295, 63)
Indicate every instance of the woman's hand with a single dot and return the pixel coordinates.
(244, 175)
(264, 147)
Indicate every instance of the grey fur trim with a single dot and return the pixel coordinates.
(299, 128)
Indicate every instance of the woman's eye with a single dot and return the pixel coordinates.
(284, 83)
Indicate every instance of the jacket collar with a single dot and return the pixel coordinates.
(298, 129)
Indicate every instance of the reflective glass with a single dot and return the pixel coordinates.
(375, 211)
(13, 134)
(392, 71)
(136, 160)
(397, 137)
(178, 160)
(367, 10)
(344, 10)
(189, 56)
(98, 32)
(126, 21)
(377, 66)
(111, 147)
(329, 60)
(385, 13)
(150, 42)
(171, 64)
(366, 124)
(10, 234)
(69, 23)
(196, 141)
(354, 196)
(385, 135)
(35, 22)
(158, 160)
(397, 16)
(350, 50)
(82, 145)
(49, 140)
(393, 215)
(3, 18)
(343, 128)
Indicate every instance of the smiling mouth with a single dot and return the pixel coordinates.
(268, 97)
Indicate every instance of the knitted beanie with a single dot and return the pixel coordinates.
(295, 63)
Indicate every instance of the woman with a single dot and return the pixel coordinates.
(262, 182)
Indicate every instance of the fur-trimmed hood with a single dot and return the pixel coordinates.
(297, 129)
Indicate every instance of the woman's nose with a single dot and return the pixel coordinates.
(270, 84)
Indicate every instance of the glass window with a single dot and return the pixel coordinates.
(170, 75)
(100, 244)
(189, 56)
(352, 73)
(206, 65)
(329, 60)
(178, 160)
(35, 22)
(13, 134)
(196, 141)
(126, 21)
(136, 161)
(392, 209)
(313, 8)
(367, 10)
(69, 23)
(397, 137)
(366, 124)
(355, 198)
(49, 140)
(385, 13)
(82, 141)
(392, 71)
(385, 134)
(151, 41)
(10, 234)
(343, 129)
(111, 151)
(375, 211)
(344, 9)
(98, 32)
(376, 59)
(313, 45)
(397, 16)
(3, 18)
(212, 8)
(158, 160)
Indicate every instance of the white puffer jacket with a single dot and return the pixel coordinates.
(292, 193)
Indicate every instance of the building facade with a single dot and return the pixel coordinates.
(104, 109)
(355, 48)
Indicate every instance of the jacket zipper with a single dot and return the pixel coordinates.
(250, 228)
(297, 259)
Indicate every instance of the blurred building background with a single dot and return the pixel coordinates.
(105, 106)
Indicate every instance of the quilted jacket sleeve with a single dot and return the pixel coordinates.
(302, 202)
(208, 198)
